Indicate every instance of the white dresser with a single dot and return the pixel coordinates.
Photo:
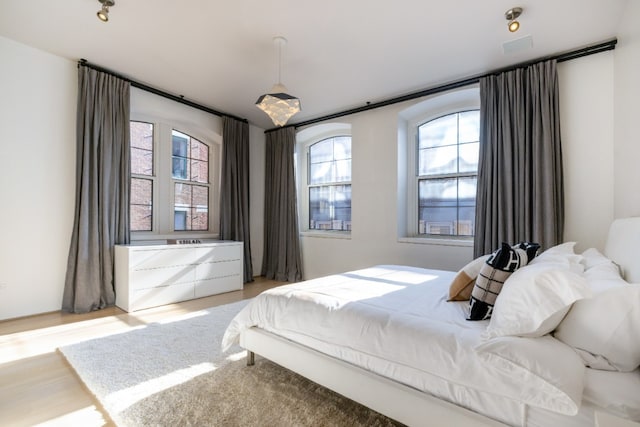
(152, 275)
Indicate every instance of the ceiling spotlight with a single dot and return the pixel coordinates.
(103, 14)
(512, 15)
(277, 103)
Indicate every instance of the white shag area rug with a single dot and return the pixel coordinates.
(173, 373)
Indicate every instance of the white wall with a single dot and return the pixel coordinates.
(586, 114)
(627, 114)
(587, 101)
(37, 151)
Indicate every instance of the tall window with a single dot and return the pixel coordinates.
(173, 182)
(142, 177)
(329, 184)
(448, 149)
(190, 172)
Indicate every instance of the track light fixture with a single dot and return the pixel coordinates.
(103, 13)
(512, 15)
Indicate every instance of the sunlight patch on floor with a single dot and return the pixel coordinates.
(122, 399)
(89, 416)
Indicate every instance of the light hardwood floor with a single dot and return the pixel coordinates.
(37, 385)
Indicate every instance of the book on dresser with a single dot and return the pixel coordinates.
(157, 274)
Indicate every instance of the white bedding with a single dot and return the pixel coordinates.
(395, 321)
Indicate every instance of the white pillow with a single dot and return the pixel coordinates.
(549, 372)
(592, 257)
(534, 300)
(605, 329)
(561, 254)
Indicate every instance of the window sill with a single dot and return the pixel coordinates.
(435, 241)
(345, 235)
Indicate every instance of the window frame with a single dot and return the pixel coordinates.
(305, 139)
(163, 192)
(435, 107)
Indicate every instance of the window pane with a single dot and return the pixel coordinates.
(437, 220)
(199, 150)
(141, 135)
(467, 191)
(191, 207)
(200, 197)
(140, 207)
(180, 220)
(330, 207)
(469, 155)
(199, 171)
(438, 192)
(180, 144)
(180, 168)
(342, 171)
(141, 161)
(140, 218)
(438, 160)
(466, 220)
(141, 191)
(447, 206)
(183, 195)
(321, 151)
(439, 132)
(199, 220)
(469, 126)
(141, 148)
(320, 173)
(342, 147)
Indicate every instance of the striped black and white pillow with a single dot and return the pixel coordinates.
(496, 270)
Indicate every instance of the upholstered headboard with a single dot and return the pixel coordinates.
(623, 247)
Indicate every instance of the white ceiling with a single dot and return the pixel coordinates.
(340, 54)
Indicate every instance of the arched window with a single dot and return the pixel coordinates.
(438, 153)
(173, 182)
(329, 184)
(447, 173)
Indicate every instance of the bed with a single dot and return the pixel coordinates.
(390, 337)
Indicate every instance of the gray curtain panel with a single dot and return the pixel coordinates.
(102, 190)
(234, 188)
(281, 260)
(520, 181)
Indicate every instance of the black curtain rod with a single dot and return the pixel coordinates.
(562, 57)
(180, 99)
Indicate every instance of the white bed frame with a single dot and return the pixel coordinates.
(397, 401)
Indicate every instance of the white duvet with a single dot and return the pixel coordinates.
(396, 322)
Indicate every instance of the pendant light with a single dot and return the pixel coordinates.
(277, 103)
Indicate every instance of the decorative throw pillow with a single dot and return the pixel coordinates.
(535, 299)
(530, 248)
(604, 330)
(462, 285)
(492, 276)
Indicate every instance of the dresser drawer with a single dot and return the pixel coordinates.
(143, 259)
(167, 276)
(219, 253)
(216, 286)
(213, 270)
(145, 298)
